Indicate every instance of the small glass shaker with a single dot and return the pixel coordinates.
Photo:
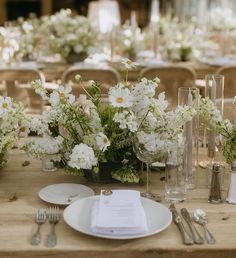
(232, 187)
(215, 190)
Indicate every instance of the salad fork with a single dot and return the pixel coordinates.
(53, 217)
(40, 219)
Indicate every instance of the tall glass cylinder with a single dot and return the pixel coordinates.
(215, 91)
(189, 97)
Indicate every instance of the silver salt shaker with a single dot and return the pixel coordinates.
(215, 189)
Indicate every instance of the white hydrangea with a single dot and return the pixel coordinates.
(82, 157)
(41, 147)
(145, 88)
(126, 119)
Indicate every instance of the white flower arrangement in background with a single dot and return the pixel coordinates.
(10, 45)
(13, 124)
(222, 19)
(67, 34)
(130, 41)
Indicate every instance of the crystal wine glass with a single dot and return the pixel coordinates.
(147, 157)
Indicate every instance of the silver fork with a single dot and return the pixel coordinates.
(40, 219)
(53, 217)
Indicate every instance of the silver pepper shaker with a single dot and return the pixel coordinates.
(215, 190)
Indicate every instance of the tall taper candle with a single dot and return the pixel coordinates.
(189, 146)
(211, 140)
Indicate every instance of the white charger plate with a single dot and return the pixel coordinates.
(78, 216)
(64, 194)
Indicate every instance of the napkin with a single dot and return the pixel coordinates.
(119, 212)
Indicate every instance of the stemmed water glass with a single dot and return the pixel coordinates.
(147, 157)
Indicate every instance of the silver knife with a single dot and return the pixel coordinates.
(178, 221)
(196, 236)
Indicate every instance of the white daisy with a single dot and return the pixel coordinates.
(5, 105)
(120, 97)
(61, 93)
(128, 64)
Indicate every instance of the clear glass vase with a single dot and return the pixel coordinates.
(175, 174)
(189, 97)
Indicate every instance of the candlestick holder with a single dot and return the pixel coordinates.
(189, 97)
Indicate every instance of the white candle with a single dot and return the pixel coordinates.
(133, 20)
(211, 141)
(155, 27)
(189, 142)
(112, 41)
(213, 90)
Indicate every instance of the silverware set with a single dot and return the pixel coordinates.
(53, 216)
(192, 237)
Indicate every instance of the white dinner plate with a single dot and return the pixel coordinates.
(64, 194)
(78, 216)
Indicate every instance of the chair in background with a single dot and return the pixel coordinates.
(229, 73)
(107, 77)
(16, 83)
(172, 78)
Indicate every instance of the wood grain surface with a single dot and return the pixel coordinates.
(19, 187)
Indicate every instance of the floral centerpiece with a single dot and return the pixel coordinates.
(221, 19)
(214, 121)
(89, 136)
(73, 37)
(13, 124)
(9, 45)
(131, 41)
(31, 38)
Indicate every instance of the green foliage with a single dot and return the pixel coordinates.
(229, 147)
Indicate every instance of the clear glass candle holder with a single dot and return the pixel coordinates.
(48, 164)
(215, 91)
(188, 96)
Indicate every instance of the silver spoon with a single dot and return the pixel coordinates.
(200, 217)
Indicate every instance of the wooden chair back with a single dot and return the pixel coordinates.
(107, 77)
(16, 83)
(172, 78)
(229, 73)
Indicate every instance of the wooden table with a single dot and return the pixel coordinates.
(17, 220)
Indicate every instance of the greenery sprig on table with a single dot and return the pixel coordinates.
(213, 120)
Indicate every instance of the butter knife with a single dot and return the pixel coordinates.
(196, 236)
(178, 221)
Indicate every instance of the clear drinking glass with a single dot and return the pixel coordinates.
(189, 97)
(148, 158)
(175, 182)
